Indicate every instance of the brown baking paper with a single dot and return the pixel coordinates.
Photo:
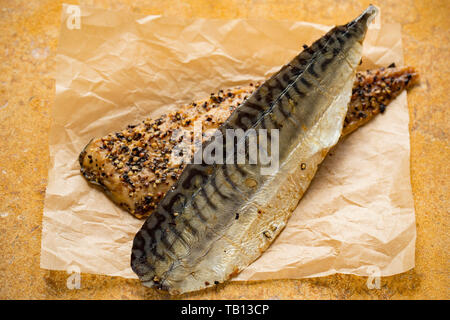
(116, 68)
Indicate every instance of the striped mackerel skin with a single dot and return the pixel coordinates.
(219, 218)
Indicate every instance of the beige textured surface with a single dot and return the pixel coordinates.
(28, 41)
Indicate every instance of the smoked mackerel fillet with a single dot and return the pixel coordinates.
(133, 166)
(219, 218)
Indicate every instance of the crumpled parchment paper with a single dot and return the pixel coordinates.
(116, 68)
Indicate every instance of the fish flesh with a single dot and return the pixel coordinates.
(133, 165)
(218, 218)
(372, 92)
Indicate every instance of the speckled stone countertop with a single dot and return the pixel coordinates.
(28, 42)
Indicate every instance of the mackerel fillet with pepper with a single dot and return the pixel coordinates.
(219, 218)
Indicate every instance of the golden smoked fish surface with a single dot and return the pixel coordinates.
(133, 165)
(219, 218)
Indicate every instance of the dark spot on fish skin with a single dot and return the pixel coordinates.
(305, 82)
(392, 65)
(254, 106)
(350, 24)
(320, 46)
(325, 63)
(214, 184)
(198, 212)
(348, 35)
(157, 254)
(341, 29)
(276, 124)
(192, 174)
(284, 112)
(139, 240)
(216, 282)
(305, 46)
(335, 52)
(287, 95)
(176, 197)
(330, 40)
(165, 241)
(301, 61)
(206, 283)
(278, 85)
(263, 123)
(298, 91)
(311, 70)
(237, 216)
(241, 115)
(295, 71)
(187, 225)
(208, 201)
(382, 108)
(309, 50)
